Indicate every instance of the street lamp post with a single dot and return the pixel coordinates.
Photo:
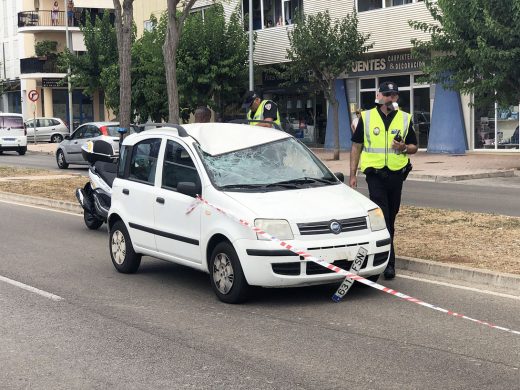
(69, 87)
(251, 81)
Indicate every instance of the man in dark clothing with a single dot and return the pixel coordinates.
(383, 139)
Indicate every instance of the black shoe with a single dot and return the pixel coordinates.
(389, 272)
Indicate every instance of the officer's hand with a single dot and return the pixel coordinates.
(400, 146)
(353, 181)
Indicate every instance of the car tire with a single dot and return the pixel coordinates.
(122, 252)
(60, 160)
(92, 222)
(22, 150)
(56, 138)
(226, 275)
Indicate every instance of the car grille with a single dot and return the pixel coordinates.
(291, 269)
(347, 225)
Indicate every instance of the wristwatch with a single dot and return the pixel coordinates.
(405, 150)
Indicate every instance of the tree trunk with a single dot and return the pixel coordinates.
(170, 64)
(335, 113)
(123, 22)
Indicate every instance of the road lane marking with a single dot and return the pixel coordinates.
(31, 289)
(41, 207)
(502, 295)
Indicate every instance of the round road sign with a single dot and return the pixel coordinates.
(33, 95)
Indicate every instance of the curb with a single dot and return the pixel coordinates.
(498, 280)
(41, 152)
(37, 201)
(469, 176)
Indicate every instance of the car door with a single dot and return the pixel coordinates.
(73, 147)
(138, 192)
(177, 234)
(30, 129)
(43, 129)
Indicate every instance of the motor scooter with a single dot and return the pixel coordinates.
(95, 197)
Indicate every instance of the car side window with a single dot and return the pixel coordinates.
(29, 123)
(91, 132)
(54, 122)
(144, 160)
(123, 159)
(79, 133)
(178, 166)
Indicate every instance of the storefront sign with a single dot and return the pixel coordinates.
(53, 82)
(386, 63)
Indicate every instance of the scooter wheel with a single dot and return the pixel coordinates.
(92, 222)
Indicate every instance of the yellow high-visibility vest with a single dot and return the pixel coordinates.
(259, 114)
(377, 147)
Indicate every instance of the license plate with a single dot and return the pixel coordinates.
(354, 268)
(9, 139)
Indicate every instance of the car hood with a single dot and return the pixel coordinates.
(307, 204)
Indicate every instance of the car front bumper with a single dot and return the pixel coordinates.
(267, 264)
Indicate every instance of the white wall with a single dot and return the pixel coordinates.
(9, 40)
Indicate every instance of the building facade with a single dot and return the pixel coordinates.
(31, 23)
(444, 120)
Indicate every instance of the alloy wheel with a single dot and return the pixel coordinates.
(118, 247)
(223, 274)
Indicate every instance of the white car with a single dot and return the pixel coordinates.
(47, 130)
(260, 175)
(13, 135)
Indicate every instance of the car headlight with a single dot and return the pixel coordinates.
(278, 228)
(377, 219)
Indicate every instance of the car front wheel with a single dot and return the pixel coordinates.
(22, 150)
(227, 278)
(60, 160)
(122, 252)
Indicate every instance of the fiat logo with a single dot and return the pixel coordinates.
(335, 227)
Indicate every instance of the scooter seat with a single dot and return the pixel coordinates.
(107, 171)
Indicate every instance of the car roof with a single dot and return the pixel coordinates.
(11, 114)
(99, 124)
(218, 138)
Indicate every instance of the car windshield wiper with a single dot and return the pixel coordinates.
(232, 186)
(304, 180)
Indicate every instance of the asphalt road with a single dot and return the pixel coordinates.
(163, 328)
(494, 195)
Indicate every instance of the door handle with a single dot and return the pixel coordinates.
(159, 200)
(126, 192)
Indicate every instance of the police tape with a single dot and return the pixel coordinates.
(340, 271)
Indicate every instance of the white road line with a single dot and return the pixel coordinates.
(41, 208)
(515, 297)
(31, 289)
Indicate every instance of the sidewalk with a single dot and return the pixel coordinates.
(443, 167)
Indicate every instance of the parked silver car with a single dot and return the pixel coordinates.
(47, 130)
(69, 150)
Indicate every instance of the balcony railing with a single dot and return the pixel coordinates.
(50, 18)
(37, 65)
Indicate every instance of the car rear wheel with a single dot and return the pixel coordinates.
(22, 150)
(56, 138)
(60, 160)
(226, 275)
(122, 252)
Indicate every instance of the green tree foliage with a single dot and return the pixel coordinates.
(474, 48)
(212, 65)
(46, 48)
(210, 70)
(97, 68)
(321, 50)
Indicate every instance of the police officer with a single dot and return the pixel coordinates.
(384, 160)
(261, 110)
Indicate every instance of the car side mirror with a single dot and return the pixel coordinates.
(340, 176)
(189, 188)
(67, 137)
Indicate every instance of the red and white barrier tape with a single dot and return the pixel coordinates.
(308, 256)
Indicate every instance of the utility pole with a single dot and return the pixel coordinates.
(69, 86)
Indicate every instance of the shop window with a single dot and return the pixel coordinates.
(271, 13)
(368, 83)
(421, 115)
(401, 81)
(496, 127)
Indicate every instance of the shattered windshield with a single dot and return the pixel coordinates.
(283, 164)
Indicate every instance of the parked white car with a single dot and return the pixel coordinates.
(261, 175)
(47, 130)
(13, 135)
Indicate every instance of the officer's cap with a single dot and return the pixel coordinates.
(388, 86)
(250, 98)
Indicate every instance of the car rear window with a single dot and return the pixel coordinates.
(14, 122)
(112, 130)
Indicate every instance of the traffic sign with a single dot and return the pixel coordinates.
(33, 95)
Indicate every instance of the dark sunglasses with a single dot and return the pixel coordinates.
(390, 94)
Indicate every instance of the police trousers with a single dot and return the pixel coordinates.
(385, 191)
